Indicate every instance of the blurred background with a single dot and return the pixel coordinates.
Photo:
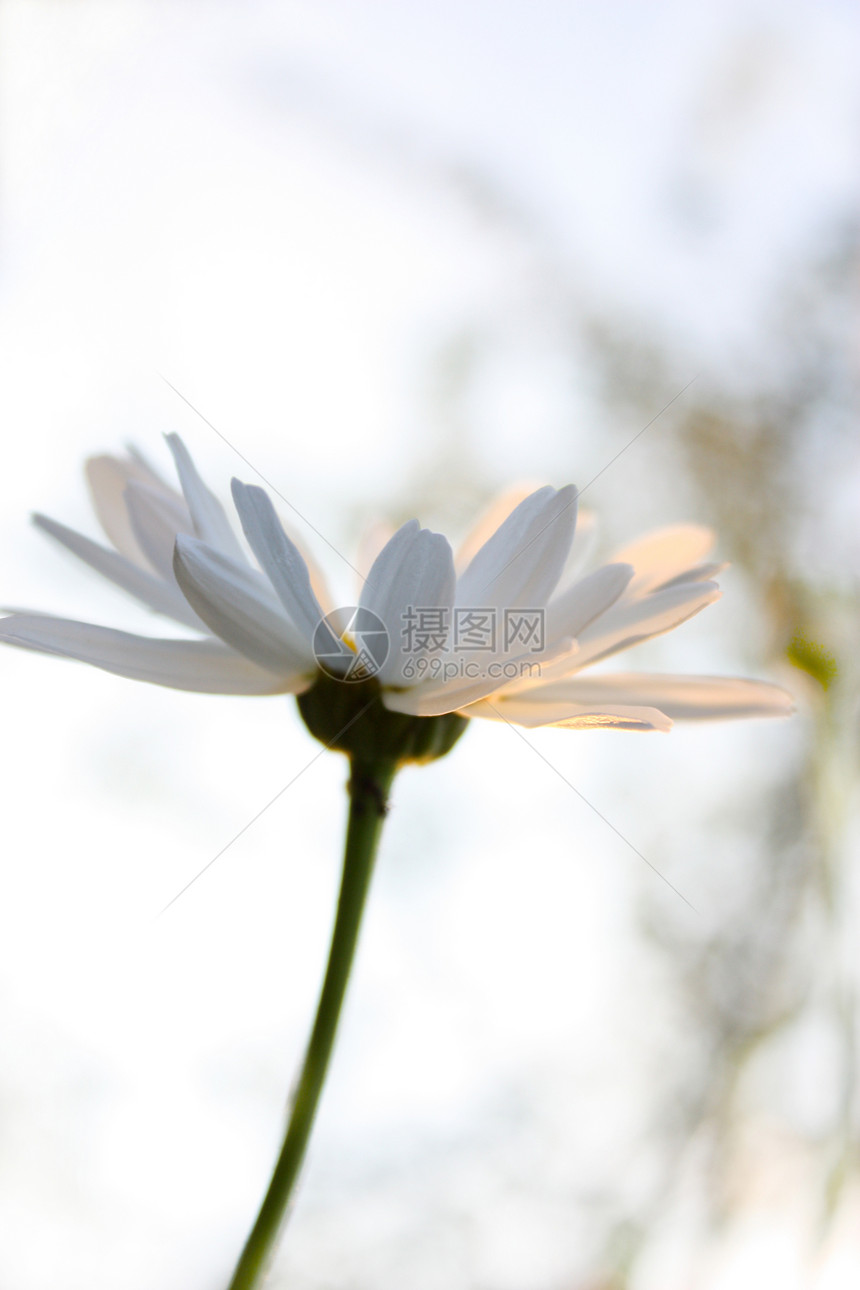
(400, 256)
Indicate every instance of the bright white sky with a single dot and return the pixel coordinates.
(288, 210)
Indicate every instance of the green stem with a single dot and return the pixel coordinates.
(369, 785)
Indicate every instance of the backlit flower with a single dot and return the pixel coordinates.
(254, 627)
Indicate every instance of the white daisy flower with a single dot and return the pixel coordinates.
(255, 628)
(504, 631)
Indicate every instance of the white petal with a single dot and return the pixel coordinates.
(572, 716)
(413, 571)
(210, 521)
(372, 542)
(629, 622)
(108, 478)
(449, 691)
(376, 592)
(156, 518)
(279, 557)
(571, 612)
(319, 585)
(204, 666)
(584, 536)
(238, 605)
(680, 697)
(485, 526)
(437, 701)
(660, 556)
(164, 598)
(567, 617)
(520, 565)
(696, 573)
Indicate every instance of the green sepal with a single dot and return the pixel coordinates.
(351, 717)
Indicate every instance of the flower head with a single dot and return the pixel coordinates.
(504, 630)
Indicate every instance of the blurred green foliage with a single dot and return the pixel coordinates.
(813, 658)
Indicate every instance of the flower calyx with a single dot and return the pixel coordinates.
(352, 718)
